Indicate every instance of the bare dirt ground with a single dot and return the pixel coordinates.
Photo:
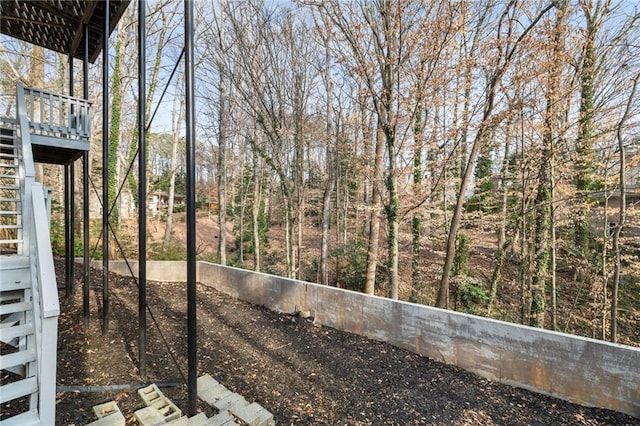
(303, 374)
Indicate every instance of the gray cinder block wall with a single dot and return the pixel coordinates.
(582, 370)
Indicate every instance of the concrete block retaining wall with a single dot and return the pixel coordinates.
(574, 368)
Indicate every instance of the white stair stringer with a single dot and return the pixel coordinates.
(29, 306)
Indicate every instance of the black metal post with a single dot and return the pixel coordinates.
(72, 226)
(142, 190)
(105, 170)
(192, 359)
(71, 207)
(67, 232)
(85, 189)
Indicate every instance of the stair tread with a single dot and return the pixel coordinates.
(17, 389)
(14, 262)
(28, 418)
(8, 295)
(17, 358)
(9, 333)
(10, 308)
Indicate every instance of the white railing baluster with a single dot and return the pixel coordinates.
(60, 116)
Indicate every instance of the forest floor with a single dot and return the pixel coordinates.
(302, 373)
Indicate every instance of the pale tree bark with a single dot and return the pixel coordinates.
(162, 17)
(273, 75)
(223, 135)
(622, 213)
(329, 152)
(377, 47)
(374, 221)
(256, 210)
(503, 60)
(178, 107)
(544, 254)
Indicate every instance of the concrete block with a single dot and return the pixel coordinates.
(221, 419)
(151, 394)
(167, 409)
(211, 396)
(113, 419)
(149, 416)
(182, 421)
(253, 415)
(106, 409)
(198, 420)
(231, 400)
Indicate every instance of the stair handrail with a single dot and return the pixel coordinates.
(37, 244)
(43, 273)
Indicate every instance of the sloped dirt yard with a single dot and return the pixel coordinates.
(303, 374)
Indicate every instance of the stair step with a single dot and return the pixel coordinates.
(28, 418)
(13, 241)
(8, 212)
(8, 155)
(7, 334)
(10, 187)
(17, 358)
(11, 308)
(17, 389)
(11, 295)
(10, 226)
(14, 268)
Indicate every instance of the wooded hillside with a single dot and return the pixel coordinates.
(478, 156)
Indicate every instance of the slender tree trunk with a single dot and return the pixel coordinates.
(223, 134)
(256, 207)
(622, 214)
(502, 239)
(443, 292)
(178, 107)
(114, 129)
(374, 221)
(416, 224)
(328, 190)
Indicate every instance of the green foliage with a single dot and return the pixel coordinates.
(471, 294)
(351, 263)
(310, 272)
(57, 228)
(114, 132)
(163, 182)
(462, 255)
(482, 199)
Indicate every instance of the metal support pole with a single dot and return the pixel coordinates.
(85, 189)
(192, 359)
(142, 190)
(67, 233)
(70, 207)
(72, 226)
(105, 171)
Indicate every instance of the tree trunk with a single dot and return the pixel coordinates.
(622, 214)
(223, 135)
(177, 108)
(374, 221)
(114, 129)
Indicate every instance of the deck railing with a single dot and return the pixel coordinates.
(55, 115)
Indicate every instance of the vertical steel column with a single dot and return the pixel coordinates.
(67, 232)
(70, 207)
(192, 359)
(105, 170)
(85, 188)
(142, 189)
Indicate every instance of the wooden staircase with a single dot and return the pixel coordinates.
(29, 305)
